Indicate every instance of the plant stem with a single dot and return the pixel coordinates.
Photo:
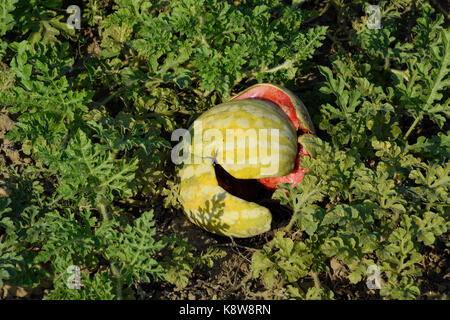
(114, 270)
(285, 65)
(411, 81)
(108, 98)
(116, 274)
(316, 279)
(291, 223)
(321, 12)
(411, 128)
(102, 208)
(386, 63)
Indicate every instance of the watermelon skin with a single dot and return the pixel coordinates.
(244, 115)
(213, 209)
(206, 203)
(296, 176)
(296, 112)
(284, 99)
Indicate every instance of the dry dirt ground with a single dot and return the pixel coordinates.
(222, 281)
(9, 155)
